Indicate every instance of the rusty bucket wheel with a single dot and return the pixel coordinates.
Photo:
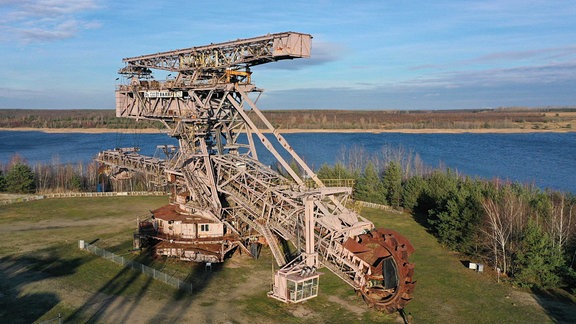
(390, 284)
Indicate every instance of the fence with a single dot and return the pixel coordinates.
(57, 319)
(378, 206)
(18, 198)
(149, 271)
(23, 198)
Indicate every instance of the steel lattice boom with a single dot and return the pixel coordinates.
(229, 55)
(224, 198)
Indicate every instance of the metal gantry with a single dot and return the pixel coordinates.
(224, 198)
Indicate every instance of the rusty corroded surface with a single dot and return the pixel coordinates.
(387, 253)
(223, 197)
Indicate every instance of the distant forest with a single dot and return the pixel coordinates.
(77, 118)
(502, 118)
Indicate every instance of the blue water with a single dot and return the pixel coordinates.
(545, 159)
(39, 147)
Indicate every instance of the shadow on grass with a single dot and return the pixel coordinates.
(105, 299)
(557, 303)
(200, 277)
(422, 219)
(19, 306)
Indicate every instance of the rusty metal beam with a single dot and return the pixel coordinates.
(246, 52)
(217, 176)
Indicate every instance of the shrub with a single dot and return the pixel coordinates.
(2, 182)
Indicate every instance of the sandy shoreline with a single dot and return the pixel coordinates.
(85, 130)
(288, 131)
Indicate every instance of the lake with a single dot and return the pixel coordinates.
(545, 159)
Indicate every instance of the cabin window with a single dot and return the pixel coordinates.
(204, 228)
(302, 290)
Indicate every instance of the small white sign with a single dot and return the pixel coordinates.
(162, 94)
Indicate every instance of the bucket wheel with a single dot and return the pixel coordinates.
(389, 284)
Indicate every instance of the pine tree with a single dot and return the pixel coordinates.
(325, 172)
(392, 182)
(338, 171)
(20, 179)
(369, 186)
(537, 262)
(411, 192)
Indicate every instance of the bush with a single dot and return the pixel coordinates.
(2, 182)
(453, 207)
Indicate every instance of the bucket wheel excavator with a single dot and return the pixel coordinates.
(224, 199)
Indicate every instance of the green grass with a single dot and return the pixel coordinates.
(43, 273)
(80, 208)
(40, 263)
(447, 291)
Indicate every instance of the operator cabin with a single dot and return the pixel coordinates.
(179, 231)
(179, 226)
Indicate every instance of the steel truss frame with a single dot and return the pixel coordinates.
(206, 108)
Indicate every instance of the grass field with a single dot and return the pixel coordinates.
(43, 274)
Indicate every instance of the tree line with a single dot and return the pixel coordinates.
(549, 118)
(17, 176)
(527, 233)
(75, 118)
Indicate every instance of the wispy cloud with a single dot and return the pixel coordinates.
(322, 53)
(527, 74)
(531, 86)
(544, 56)
(45, 20)
(514, 13)
(564, 72)
(374, 54)
(545, 53)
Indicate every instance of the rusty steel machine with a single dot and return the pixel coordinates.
(224, 199)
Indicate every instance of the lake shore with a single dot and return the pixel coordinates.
(289, 131)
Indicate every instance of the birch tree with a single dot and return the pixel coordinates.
(560, 223)
(504, 217)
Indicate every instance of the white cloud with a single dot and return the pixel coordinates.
(535, 74)
(58, 7)
(530, 86)
(568, 52)
(322, 52)
(45, 20)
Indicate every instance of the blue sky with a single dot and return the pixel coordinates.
(365, 54)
